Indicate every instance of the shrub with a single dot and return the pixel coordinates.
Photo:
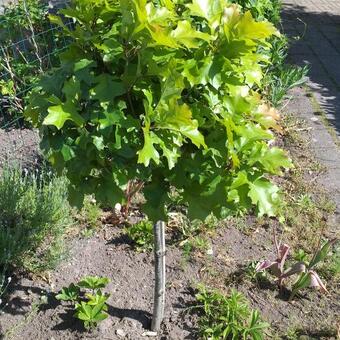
(34, 215)
(165, 92)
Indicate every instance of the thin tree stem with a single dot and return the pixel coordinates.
(159, 294)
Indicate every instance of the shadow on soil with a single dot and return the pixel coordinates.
(69, 322)
(19, 303)
(239, 277)
(316, 42)
(18, 299)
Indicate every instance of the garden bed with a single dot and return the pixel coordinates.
(130, 305)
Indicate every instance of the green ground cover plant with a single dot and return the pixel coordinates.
(89, 216)
(141, 233)
(88, 299)
(34, 216)
(228, 317)
(164, 93)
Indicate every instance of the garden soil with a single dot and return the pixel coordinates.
(19, 146)
(34, 313)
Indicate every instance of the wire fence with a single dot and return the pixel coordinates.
(29, 47)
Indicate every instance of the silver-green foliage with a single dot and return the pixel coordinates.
(34, 214)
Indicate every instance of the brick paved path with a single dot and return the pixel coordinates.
(317, 23)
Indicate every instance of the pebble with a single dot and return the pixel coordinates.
(210, 251)
(120, 333)
(150, 334)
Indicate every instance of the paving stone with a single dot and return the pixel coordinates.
(322, 36)
(301, 48)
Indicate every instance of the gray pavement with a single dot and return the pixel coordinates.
(314, 25)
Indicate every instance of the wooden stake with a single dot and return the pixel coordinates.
(159, 293)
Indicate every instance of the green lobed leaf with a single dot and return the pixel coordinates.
(166, 92)
(58, 115)
(265, 196)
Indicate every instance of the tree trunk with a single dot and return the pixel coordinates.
(159, 293)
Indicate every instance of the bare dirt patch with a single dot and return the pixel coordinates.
(20, 146)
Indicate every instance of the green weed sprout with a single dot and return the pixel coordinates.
(90, 308)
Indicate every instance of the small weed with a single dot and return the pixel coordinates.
(240, 223)
(278, 83)
(304, 215)
(306, 207)
(330, 269)
(300, 255)
(305, 202)
(185, 228)
(306, 270)
(252, 274)
(70, 293)
(281, 77)
(90, 213)
(90, 308)
(141, 234)
(228, 317)
(292, 333)
(87, 232)
(334, 260)
(192, 244)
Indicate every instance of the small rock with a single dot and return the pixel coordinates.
(210, 251)
(314, 119)
(150, 334)
(130, 322)
(189, 324)
(120, 333)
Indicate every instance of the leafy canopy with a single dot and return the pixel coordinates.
(163, 91)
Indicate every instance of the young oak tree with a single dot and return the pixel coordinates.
(166, 92)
